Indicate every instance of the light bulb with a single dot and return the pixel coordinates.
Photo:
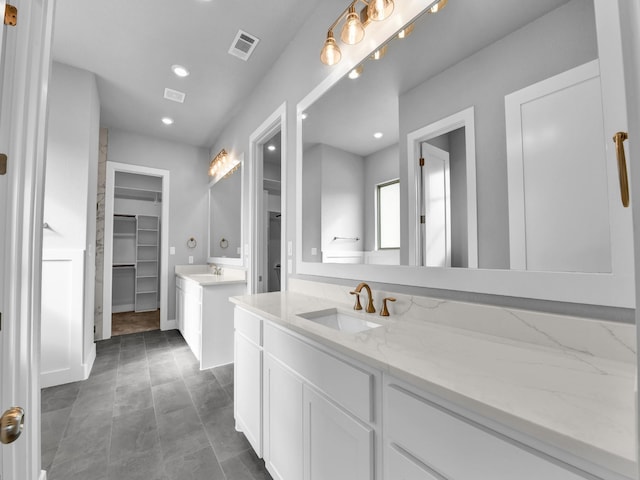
(380, 9)
(330, 54)
(356, 72)
(353, 31)
(438, 6)
(378, 54)
(407, 31)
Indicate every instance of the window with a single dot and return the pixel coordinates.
(388, 208)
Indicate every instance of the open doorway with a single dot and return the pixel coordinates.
(135, 283)
(268, 216)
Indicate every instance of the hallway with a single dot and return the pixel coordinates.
(146, 412)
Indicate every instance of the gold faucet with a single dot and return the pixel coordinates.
(370, 308)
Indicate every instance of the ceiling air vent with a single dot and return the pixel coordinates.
(174, 95)
(243, 45)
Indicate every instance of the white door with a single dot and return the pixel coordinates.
(437, 207)
(25, 63)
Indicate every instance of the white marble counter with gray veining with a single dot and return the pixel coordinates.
(204, 276)
(565, 381)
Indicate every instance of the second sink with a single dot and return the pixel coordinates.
(334, 318)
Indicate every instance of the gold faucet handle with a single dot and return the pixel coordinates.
(357, 306)
(385, 312)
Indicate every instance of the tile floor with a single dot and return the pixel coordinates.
(146, 412)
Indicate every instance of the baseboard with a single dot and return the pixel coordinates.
(122, 308)
(43, 475)
(88, 365)
(170, 325)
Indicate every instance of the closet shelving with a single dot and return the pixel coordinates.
(135, 262)
(147, 250)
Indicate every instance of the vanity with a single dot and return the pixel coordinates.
(203, 312)
(432, 392)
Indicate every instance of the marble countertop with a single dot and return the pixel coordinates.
(203, 276)
(571, 399)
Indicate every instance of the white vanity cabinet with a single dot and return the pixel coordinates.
(205, 319)
(247, 372)
(424, 440)
(318, 412)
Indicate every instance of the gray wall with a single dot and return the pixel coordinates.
(188, 167)
(226, 216)
(311, 203)
(556, 42)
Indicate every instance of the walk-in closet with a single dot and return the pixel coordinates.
(136, 253)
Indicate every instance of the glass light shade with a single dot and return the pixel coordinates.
(330, 54)
(353, 31)
(379, 9)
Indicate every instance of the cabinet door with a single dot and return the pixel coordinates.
(283, 421)
(180, 310)
(192, 316)
(248, 390)
(337, 446)
(398, 466)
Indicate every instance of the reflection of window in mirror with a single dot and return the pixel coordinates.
(388, 208)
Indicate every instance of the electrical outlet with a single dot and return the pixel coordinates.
(172, 250)
(290, 248)
(314, 251)
(190, 259)
(290, 266)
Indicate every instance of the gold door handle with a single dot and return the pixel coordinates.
(619, 139)
(11, 424)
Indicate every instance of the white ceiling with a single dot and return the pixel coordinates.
(347, 115)
(131, 45)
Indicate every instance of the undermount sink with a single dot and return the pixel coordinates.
(338, 320)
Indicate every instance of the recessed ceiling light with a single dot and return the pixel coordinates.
(167, 120)
(304, 116)
(180, 71)
(377, 135)
(271, 148)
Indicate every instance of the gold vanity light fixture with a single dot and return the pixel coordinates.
(381, 52)
(354, 26)
(222, 165)
(356, 72)
(404, 33)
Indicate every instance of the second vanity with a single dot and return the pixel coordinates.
(203, 312)
(438, 391)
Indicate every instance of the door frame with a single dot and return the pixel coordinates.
(276, 121)
(112, 168)
(27, 69)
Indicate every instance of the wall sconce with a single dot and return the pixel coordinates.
(222, 166)
(354, 25)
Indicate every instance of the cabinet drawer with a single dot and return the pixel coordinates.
(193, 289)
(248, 324)
(399, 466)
(347, 385)
(456, 449)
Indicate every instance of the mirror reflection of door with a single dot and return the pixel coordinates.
(436, 245)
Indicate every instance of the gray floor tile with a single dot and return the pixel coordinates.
(163, 372)
(181, 433)
(132, 434)
(171, 396)
(133, 397)
(141, 466)
(199, 465)
(224, 374)
(226, 441)
(146, 412)
(245, 466)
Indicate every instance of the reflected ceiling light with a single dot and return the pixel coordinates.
(167, 120)
(438, 6)
(271, 148)
(330, 54)
(377, 135)
(304, 115)
(352, 31)
(378, 54)
(180, 71)
(407, 31)
(356, 72)
(379, 9)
